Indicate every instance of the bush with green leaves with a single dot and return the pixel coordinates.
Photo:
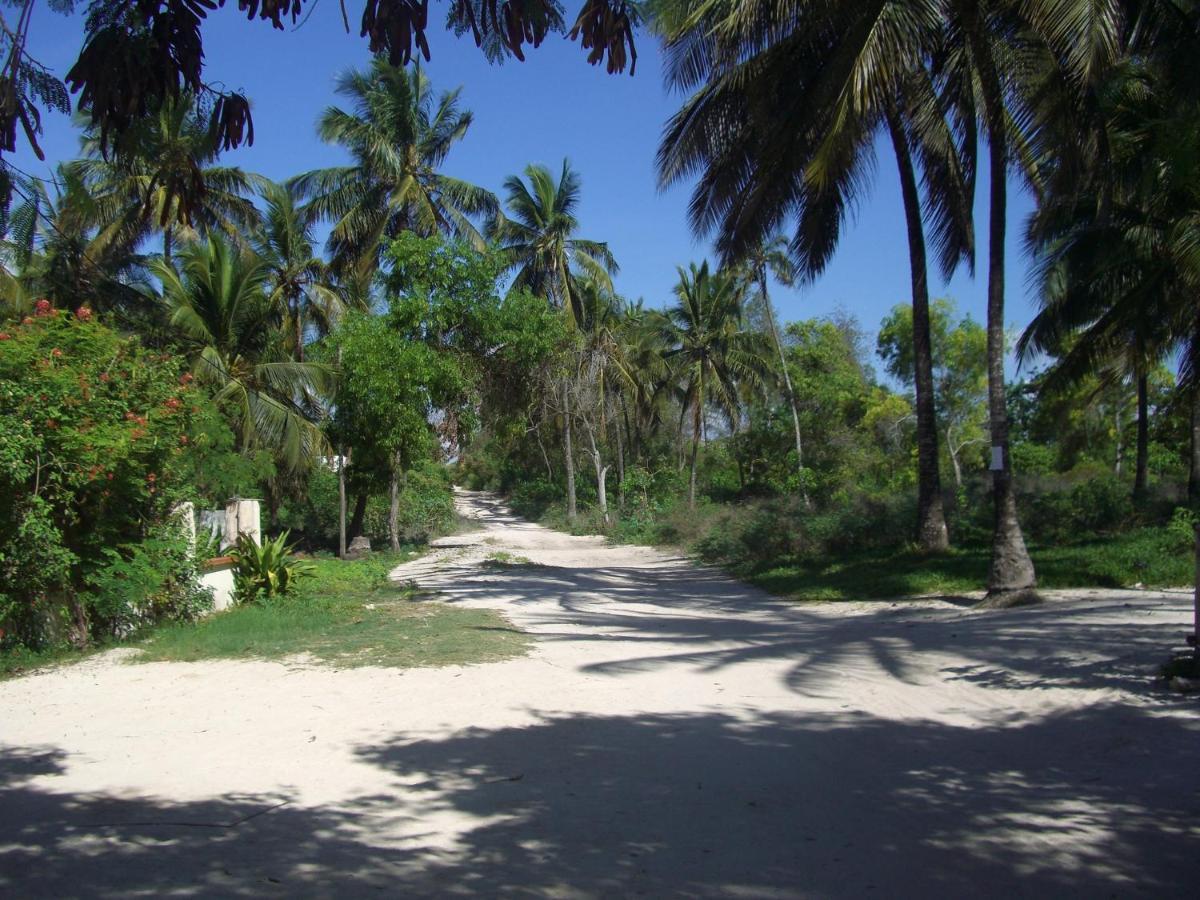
(265, 572)
(93, 433)
(142, 583)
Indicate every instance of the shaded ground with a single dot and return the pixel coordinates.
(673, 733)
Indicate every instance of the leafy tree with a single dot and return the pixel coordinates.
(94, 435)
(771, 256)
(398, 137)
(959, 372)
(538, 240)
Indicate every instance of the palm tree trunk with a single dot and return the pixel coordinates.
(787, 382)
(342, 460)
(695, 452)
(1141, 475)
(932, 535)
(569, 455)
(168, 239)
(620, 468)
(1194, 469)
(1011, 568)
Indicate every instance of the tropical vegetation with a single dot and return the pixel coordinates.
(172, 330)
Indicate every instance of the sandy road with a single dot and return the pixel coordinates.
(673, 733)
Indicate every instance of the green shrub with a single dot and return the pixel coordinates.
(265, 572)
(145, 583)
(93, 435)
(533, 498)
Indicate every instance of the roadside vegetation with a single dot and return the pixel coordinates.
(171, 330)
(345, 613)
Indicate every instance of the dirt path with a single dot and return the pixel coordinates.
(672, 733)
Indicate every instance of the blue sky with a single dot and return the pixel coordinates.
(552, 106)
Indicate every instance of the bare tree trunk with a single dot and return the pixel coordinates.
(1141, 476)
(1011, 568)
(572, 511)
(601, 470)
(787, 380)
(360, 513)
(342, 463)
(932, 535)
(394, 504)
(953, 451)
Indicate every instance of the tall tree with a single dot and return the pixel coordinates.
(770, 256)
(539, 241)
(710, 352)
(222, 318)
(398, 136)
(164, 179)
(297, 278)
(856, 71)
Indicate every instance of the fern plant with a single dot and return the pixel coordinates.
(265, 572)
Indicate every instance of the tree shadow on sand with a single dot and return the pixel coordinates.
(1093, 803)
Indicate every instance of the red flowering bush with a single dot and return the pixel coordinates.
(92, 428)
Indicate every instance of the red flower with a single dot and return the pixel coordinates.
(42, 307)
(185, 378)
(56, 353)
(83, 314)
(28, 320)
(172, 403)
(105, 377)
(4, 335)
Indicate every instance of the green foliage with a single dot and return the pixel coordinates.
(140, 584)
(265, 572)
(348, 613)
(93, 431)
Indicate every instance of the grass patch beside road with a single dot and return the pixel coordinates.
(346, 614)
(1148, 556)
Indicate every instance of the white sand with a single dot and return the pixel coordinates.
(672, 733)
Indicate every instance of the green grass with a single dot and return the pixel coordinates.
(346, 614)
(1148, 556)
(22, 661)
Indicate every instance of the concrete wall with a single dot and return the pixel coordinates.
(217, 576)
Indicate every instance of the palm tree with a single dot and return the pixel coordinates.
(54, 248)
(164, 178)
(1116, 247)
(538, 238)
(765, 156)
(298, 279)
(711, 354)
(222, 318)
(771, 256)
(398, 137)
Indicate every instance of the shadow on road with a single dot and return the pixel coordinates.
(670, 805)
